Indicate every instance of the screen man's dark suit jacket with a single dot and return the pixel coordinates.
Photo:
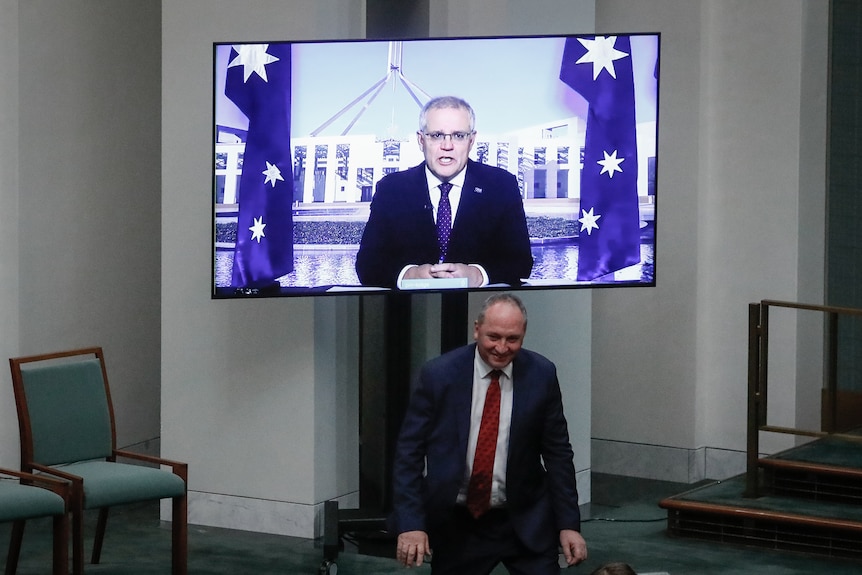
(489, 229)
(542, 499)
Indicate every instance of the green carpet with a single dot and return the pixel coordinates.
(828, 451)
(623, 523)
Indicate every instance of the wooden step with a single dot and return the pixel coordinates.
(812, 481)
(828, 469)
(719, 512)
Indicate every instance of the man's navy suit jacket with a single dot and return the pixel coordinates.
(489, 229)
(430, 457)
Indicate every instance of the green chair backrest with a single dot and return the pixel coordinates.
(69, 416)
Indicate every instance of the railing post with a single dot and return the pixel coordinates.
(756, 315)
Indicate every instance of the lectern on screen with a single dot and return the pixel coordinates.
(303, 132)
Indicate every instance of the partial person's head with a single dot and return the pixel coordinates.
(615, 568)
(446, 133)
(499, 329)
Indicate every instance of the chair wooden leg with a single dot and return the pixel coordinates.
(78, 539)
(101, 524)
(15, 546)
(61, 544)
(179, 536)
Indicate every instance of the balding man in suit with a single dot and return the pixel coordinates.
(519, 507)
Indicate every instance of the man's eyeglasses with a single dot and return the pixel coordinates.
(437, 137)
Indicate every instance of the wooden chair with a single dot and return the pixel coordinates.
(66, 423)
(30, 497)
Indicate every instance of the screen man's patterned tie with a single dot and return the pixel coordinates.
(444, 220)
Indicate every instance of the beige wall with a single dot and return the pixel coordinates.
(80, 188)
(740, 218)
(239, 395)
(8, 224)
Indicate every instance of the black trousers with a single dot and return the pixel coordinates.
(468, 546)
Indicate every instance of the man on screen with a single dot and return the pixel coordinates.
(449, 217)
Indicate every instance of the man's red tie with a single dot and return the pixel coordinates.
(479, 489)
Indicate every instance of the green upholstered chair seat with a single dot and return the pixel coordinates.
(27, 502)
(109, 483)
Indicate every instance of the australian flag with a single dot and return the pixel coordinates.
(258, 82)
(600, 70)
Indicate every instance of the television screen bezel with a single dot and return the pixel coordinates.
(223, 292)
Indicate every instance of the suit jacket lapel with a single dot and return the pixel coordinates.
(470, 207)
(521, 393)
(463, 396)
(419, 193)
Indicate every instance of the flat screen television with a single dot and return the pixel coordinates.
(303, 133)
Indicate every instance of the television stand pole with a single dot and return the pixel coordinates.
(453, 320)
(386, 324)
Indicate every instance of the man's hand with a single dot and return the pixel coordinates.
(453, 270)
(412, 548)
(574, 546)
(446, 270)
(422, 272)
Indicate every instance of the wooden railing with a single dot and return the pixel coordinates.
(840, 410)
